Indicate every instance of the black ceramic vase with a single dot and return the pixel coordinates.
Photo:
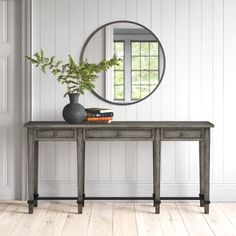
(73, 112)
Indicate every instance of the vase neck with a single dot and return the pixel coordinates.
(74, 97)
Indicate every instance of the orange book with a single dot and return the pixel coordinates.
(98, 118)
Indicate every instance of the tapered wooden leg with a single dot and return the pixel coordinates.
(206, 170)
(36, 174)
(201, 172)
(80, 168)
(154, 164)
(157, 169)
(83, 171)
(31, 158)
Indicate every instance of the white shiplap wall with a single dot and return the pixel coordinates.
(198, 37)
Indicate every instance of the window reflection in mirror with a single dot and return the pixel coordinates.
(142, 62)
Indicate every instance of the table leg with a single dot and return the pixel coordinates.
(206, 170)
(154, 164)
(80, 168)
(36, 160)
(156, 169)
(31, 158)
(83, 171)
(201, 170)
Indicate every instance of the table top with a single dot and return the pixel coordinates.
(121, 124)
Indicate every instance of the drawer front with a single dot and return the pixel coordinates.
(55, 134)
(181, 134)
(118, 134)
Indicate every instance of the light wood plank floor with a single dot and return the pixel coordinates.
(117, 219)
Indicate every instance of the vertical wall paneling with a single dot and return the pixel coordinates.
(118, 149)
(76, 37)
(182, 84)
(3, 84)
(3, 21)
(48, 88)
(144, 150)
(48, 37)
(218, 93)
(168, 86)
(195, 79)
(118, 161)
(3, 156)
(131, 7)
(131, 110)
(207, 66)
(36, 73)
(90, 24)
(207, 59)
(104, 148)
(131, 161)
(198, 39)
(229, 89)
(62, 50)
(156, 27)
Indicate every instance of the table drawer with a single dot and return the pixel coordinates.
(55, 134)
(181, 134)
(119, 134)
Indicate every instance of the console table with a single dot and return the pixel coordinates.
(155, 131)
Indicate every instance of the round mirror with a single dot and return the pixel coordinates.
(142, 64)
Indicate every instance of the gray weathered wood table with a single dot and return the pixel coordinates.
(131, 130)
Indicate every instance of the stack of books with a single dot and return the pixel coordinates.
(98, 115)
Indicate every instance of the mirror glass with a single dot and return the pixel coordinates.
(142, 67)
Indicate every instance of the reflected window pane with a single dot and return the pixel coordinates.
(135, 93)
(153, 63)
(144, 70)
(135, 63)
(121, 64)
(119, 49)
(118, 77)
(144, 91)
(144, 63)
(135, 49)
(135, 77)
(118, 92)
(153, 77)
(145, 49)
(154, 49)
(145, 77)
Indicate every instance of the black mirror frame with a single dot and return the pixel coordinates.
(135, 23)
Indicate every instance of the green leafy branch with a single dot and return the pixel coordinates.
(76, 77)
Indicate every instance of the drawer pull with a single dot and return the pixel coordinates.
(55, 134)
(171, 134)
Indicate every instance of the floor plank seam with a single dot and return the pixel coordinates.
(182, 218)
(67, 216)
(228, 218)
(45, 215)
(89, 219)
(204, 216)
(136, 223)
(162, 230)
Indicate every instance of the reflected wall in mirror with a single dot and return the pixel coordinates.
(142, 63)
